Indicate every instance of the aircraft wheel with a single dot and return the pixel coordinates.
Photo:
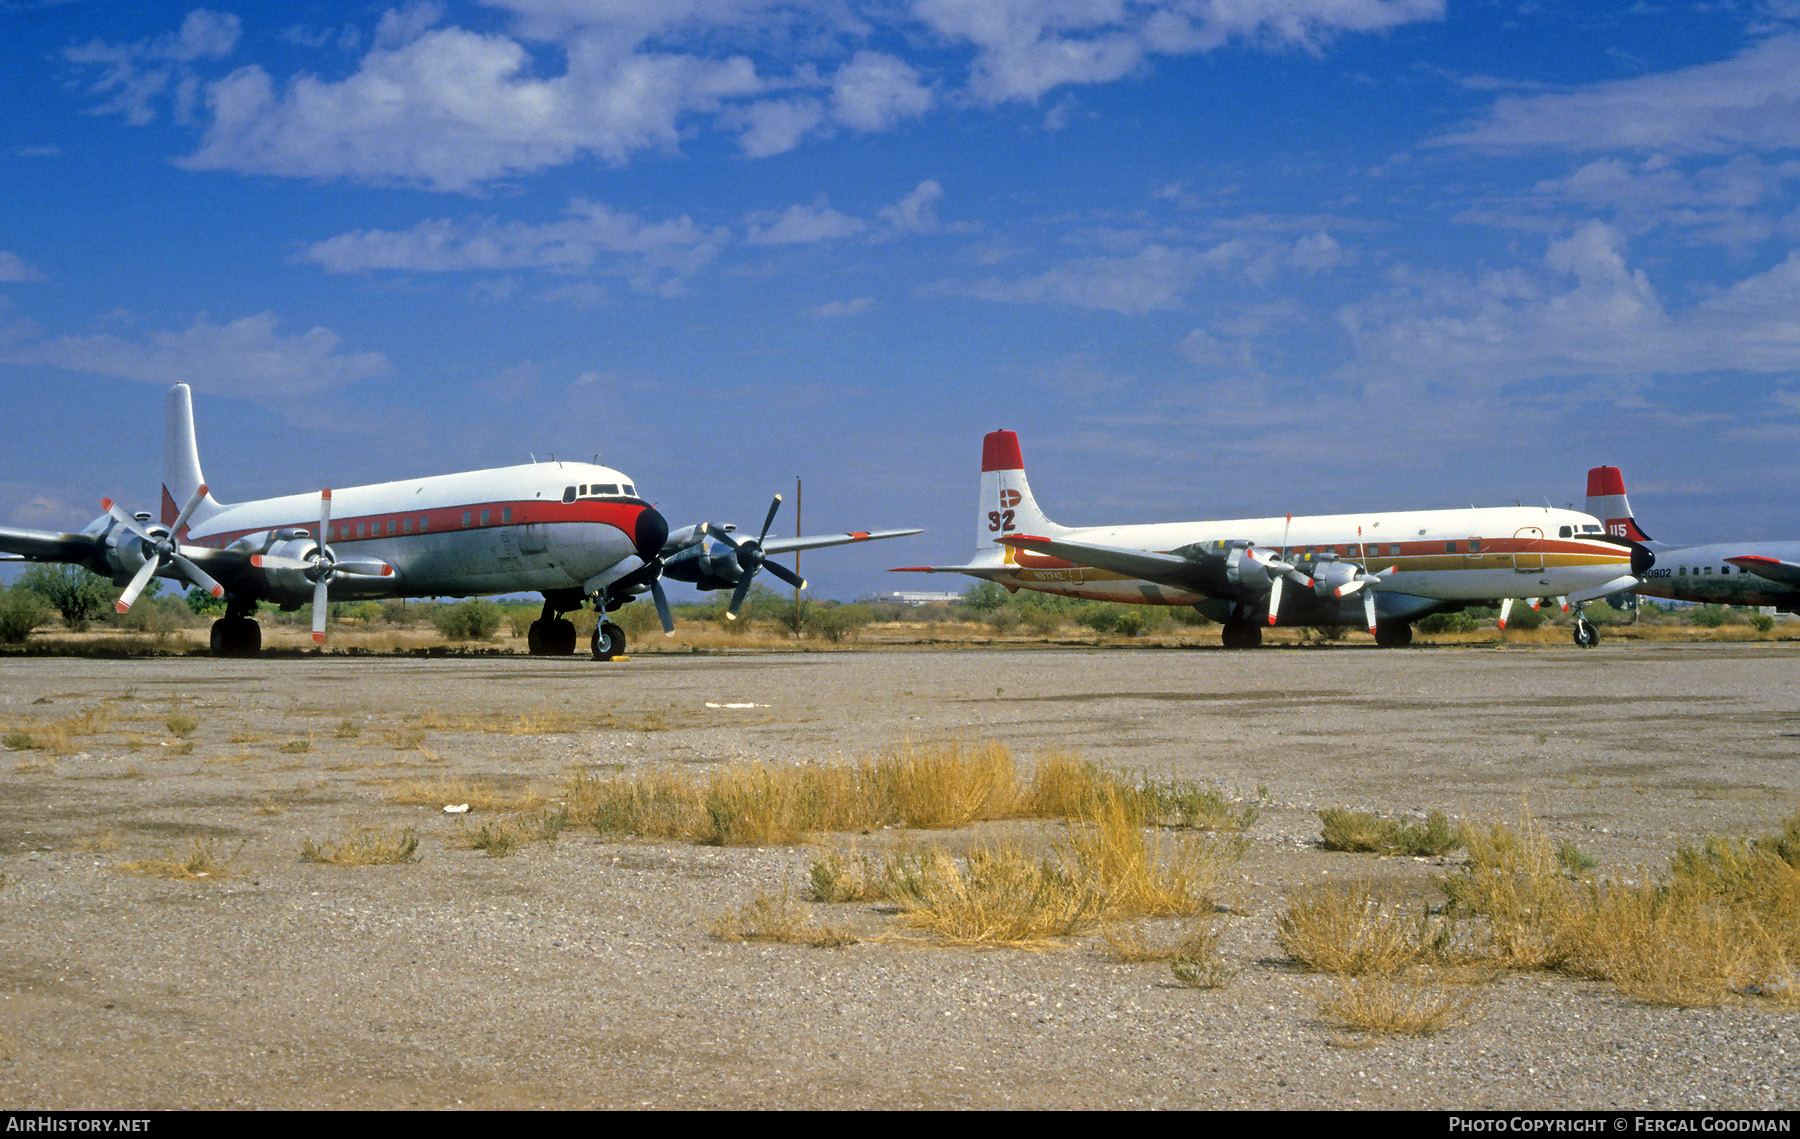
(534, 639)
(1241, 635)
(563, 637)
(608, 641)
(236, 637)
(1586, 635)
(1394, 635)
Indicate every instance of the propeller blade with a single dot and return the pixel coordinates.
(1275, 597)
(138, 581)
(719, 533)
(123, 519)
(197, 575)
(1505, 610)
(737, 597)
(785, 574)
(662, 606)
(324, 515)
(769, 520)
(363, 567)
(187, 511)
(320, 588)
(1369, 609)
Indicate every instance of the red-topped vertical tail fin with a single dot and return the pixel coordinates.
(1606, 501)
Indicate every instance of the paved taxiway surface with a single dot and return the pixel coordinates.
(579, 973)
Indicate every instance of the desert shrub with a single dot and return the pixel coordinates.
(76, 592)
(1353, 831)
(1448, 623)
(1709, 616)
(21, 611)
(475, 620)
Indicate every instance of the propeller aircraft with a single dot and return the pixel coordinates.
(578, 533)
(1382, 571)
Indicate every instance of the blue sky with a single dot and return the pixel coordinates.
(1211, 258)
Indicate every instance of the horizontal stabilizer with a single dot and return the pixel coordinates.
(1774, 569)
(1163, 569)
(819, 541)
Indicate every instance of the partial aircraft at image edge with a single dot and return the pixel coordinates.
(1248, 573)
(1721, 573)
(575, 532)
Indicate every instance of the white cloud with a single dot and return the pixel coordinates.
(803, 225)
(14, 268)
(1586, 313)
(656, 257)
(451, 109)
(248, 357)
(1751, 102)
(455, 110)
(134, 76)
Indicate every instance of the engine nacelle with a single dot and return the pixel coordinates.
(1331, 576)
(283, 576)
(706, 566)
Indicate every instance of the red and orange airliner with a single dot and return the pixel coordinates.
(1403, 564)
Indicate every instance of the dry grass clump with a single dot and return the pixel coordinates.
(1145, 871)
(1722, 921)
(56, 736)
(365, 846)
(1347, 930)
(1387, 1005)
(910, 785)
(995, 896)
(1348, 830)
(501, 837)
(783, 918)
(201, 862)
(1193, 957)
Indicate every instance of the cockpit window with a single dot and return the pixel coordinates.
(568, 494)
(604, 488)
(631, 490)
(1590, 529)
(1566, 532)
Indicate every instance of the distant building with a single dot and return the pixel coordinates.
(910, 597)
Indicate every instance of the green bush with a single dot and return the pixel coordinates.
(21, 611)
(76, 592)
(1448, 623)
(474, 620)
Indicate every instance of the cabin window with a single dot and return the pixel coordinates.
(424, 524)
(506, 515)
(1707, 571)
(361, 529)
(406, 526)
(1449, 547)
(1474, 545)
(484, 518)
(568, 494)
(466, 517)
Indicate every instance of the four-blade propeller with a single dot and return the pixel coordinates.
(160, 550)
(751, 559)
(322, 567)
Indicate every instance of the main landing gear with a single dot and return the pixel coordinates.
(553, 634)
(1393, 634)
(237, 634)
(1241, 635)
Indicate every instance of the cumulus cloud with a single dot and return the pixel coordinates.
(803, 225)
(446, 108)
(248, 357)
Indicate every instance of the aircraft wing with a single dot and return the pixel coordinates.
(47, 545)
(818, 541)
(1776, 570)
(1147, 565)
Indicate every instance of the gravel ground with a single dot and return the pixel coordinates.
(580, 973)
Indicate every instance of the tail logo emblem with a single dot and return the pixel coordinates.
(1009, 498)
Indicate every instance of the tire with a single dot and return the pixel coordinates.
(1394, 635)
(1586, 635)
(236, 637)
(563, 638)
(608, 641)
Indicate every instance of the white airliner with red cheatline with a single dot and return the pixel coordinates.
(1380, 570)
(575, 532)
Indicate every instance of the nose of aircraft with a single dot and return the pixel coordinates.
(650, 533)
(1642, 558)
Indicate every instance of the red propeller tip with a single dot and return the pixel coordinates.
(318, 638)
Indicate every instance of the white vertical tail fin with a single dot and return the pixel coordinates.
(1007, 506)
(181, 462)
